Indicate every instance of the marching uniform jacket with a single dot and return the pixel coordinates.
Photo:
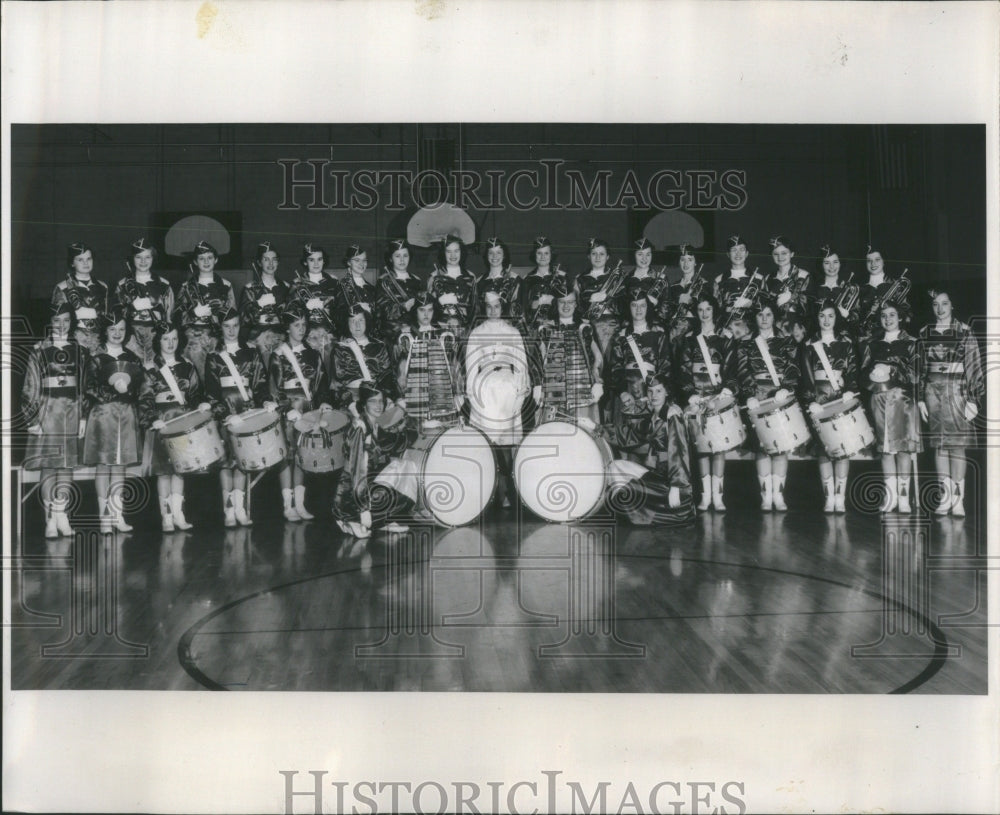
(347, 369)
(221, 388)
(217, 294)
(752, 378)
(350, 293)
(653, 348)
(459, 295)
(532, 287)
(156, 290)
(508, 285)
(255, 305)
(693, 376)
(391, 303)
(612, 308)
(304, 288)
(814, 384)
(285, 386)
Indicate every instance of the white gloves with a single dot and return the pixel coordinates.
(234, 420)
(270, 407)
(815, 407)
(204, 407)
(35, 429)
(293, 415)
(202, 311)
(314, 303)
(536, 394)
(366, 519)
(597, 391)
(742, 302)
(784, 297)
(83, 428)
(684, 299)
(266, 299)
(695, 400)
(781, 395)
(409, 304)
(598, 297)
(544, 299)
(847, 396)
(971, 411)
(159, 424)
(843, 312)
(142, 304)
(753, 403)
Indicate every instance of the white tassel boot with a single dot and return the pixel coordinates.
(287, 496)
(177, 507)
(117, 516)
(51, 530)
(958, 499)
(167, 518)
(766, 500)
(840, 495)
(778, 489)
(102, 512)
(903, 486)
(717, 494)
(706, 493)
(230, 512)
(300, 503)
(240, 508)
(831, 500)
(891, 499)
(947, 496)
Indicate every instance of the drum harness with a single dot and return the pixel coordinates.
(352, 343)
(297, 369)
(235, 374)
(824, 360)
(766, 354)
(168, 377)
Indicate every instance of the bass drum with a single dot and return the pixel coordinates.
(456, 472)
(561, 471)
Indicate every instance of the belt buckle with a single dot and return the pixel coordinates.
(62, 381)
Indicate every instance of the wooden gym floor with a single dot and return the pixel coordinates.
(741, 602)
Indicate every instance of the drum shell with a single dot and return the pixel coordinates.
(718, 427)
(258, 442)
(191, 442)
(843, 428)
(471, 451)
(578, 470)
(780, 427)
(321, 451)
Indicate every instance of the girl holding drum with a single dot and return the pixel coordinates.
(51, 400)
(767, 373)
(952, 389)
(829, 366)
(147, 299)
(170, 388)
(427, 366)
(888, 373)
(500, 278)
(536, 294)
(353, 290)
(111, 440)
(636, 352)
(374, 445)
(702, 367)
(454, 286)
(397, 289)
(235, 381)
(88, 297)
(263, 298)
(298, 384)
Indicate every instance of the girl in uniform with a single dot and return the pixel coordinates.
(500, 278)
(829, 290)
(767, 367)
(51, 400)
(829, 367)
(203, 300)
(264, 298)
(603, 312)
(644, 279)
(427, 357)
(703, 365)
(680, 306)
(730, 286)
(888, 373)
(111, 440)
(873, 292)
(786, 286)
(170, 388)
(454, 286)
(397, 289)
(88, 297)
(298, 383)
(951, 392)
(353, 290)
(317, 290)
(536, 288)
(148, 300)
(359, 357)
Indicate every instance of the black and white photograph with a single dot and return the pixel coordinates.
(499, 458)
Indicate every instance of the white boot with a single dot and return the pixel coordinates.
(51, 530)
(766, 500)
(166, 516)
(230, 512)
(290, 513)
(62, 519)
(840, 495)
(891, 499)
(300, 503)
(717, 494)
(903, 485)
(706, 493)
(778, 487)
(958, 499)
(240, 508)
(947, 496)
(177, 508)
(102, 512)
(831, 501)
(117, 518)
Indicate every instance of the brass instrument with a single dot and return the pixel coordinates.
(697, 287)
(750, 292)
(543, 314)
(196, 295)
(612, 285)
(849, 294)
(900, 288)
(129, 284)
(393, 288)
(72, 295)
(795, 283)
(660, 285)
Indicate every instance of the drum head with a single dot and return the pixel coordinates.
(459, 474)
(717, 404)
(834, 408)
(560, 471)
(184, 423)
(254, 421)
(335, 420)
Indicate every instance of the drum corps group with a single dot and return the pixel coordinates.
(430, 398)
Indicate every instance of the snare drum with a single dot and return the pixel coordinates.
(843, 428)
(321, 449)
(780, 426)
(257, 441)
(193, 442)
(719, 426)
(456, 472)
(561, 471)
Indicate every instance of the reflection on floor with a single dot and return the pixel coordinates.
(797, 602)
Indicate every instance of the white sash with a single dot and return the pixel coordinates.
(168, 376)
(290, 356)
(643, 365)
(360, 357)
(707, 356)
(766, 354)
(235, 374)
(824, 360)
